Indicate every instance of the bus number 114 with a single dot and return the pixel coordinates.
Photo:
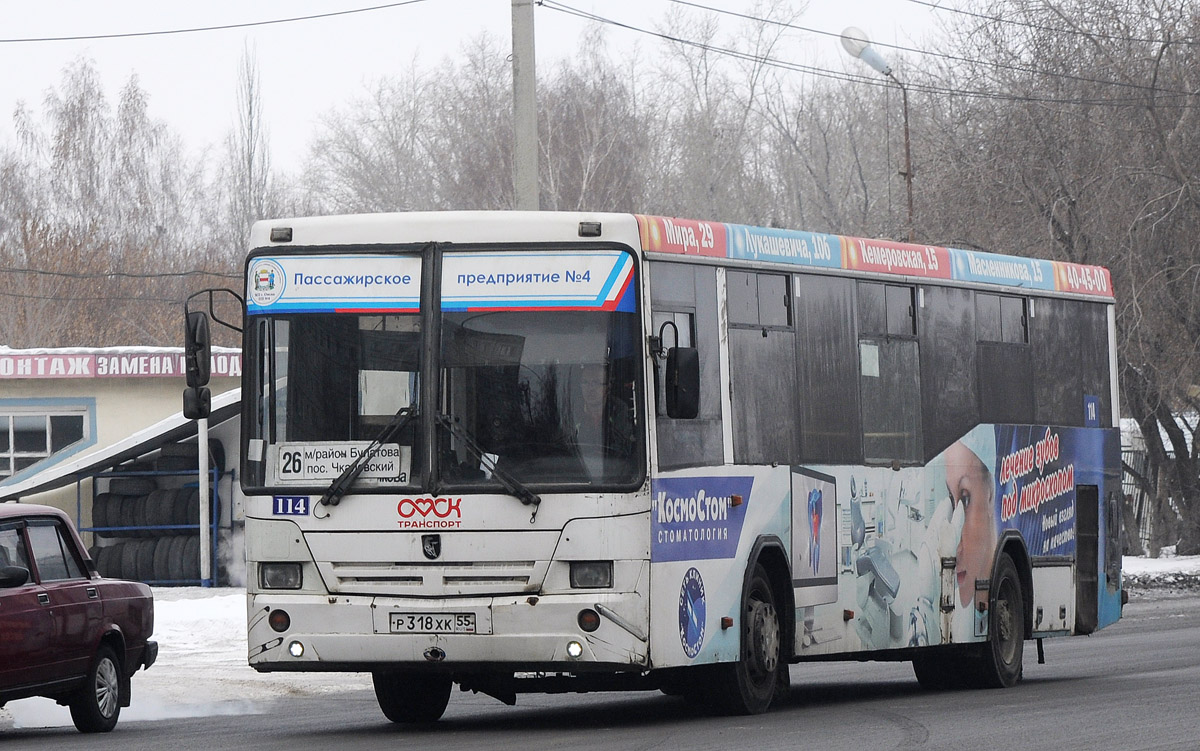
(289, 505)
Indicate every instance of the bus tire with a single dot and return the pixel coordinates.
(749, 685)
(411, 697)
(1002, 655)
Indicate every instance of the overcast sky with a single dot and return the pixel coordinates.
(308, 67)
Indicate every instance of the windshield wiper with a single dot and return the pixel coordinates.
(346, 479)
(514, 486)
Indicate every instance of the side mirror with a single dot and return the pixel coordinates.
(13, 576)
(683, 383)
(197, 403)
(197, 349)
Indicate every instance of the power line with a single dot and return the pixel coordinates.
(1036, 27)
(198, 29)
(851, 77)
(942, 55)
(114, 299)
(118, 274)
(797, 67)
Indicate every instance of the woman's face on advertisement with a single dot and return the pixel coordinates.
(970, 486)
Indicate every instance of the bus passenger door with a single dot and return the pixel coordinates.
(1108, 607)
(1087, 558)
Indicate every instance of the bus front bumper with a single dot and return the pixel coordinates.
(517, 633)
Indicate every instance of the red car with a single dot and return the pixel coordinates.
(65, 632)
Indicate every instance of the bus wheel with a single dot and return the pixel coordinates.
(749, 685)
(1004, 650)
(411, 697)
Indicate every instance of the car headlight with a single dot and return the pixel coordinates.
(279, 576)
(591, 574)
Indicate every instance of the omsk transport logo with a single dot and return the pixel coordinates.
(691, 613)
(267, 281)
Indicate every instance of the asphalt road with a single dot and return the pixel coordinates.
(1131, 686)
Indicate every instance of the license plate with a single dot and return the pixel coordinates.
(432, 623)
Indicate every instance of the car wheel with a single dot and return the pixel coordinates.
(96, 707)
(411, 698)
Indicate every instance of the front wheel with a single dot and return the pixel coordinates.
(97, 706)
(412, 697)
(749, 685)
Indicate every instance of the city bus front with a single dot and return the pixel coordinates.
(444, 451)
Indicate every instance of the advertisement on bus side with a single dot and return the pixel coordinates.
(898, 528)
(880, 558)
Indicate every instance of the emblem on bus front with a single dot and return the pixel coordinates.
(267, 282)
(431, 545)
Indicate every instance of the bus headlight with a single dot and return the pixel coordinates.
(279, 576)
(591, 574)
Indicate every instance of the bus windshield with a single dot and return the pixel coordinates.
(326, 385)
(544, 395)
(548, 397)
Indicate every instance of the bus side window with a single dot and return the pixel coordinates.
(687, 295)
(889, 373)
(1006, 389)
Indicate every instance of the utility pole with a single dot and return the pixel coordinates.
(525, 140)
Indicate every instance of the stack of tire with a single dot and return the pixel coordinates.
(147, 533)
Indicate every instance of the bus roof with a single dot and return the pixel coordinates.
(691, 237)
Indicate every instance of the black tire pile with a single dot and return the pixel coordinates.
(130, 519)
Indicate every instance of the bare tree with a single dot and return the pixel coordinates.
(246, 176)
(101, 215)
(1074, 138)
(593, 139)
(374, 155)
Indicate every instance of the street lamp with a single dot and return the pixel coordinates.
(855, 41)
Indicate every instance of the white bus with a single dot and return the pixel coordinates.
(530, 452)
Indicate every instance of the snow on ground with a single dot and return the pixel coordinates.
(202, 671)
(1166, 563)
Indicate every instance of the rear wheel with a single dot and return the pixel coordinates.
(97, 706)
(996, 663)
(410, 697)
(1003, 653)
(749, 685)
